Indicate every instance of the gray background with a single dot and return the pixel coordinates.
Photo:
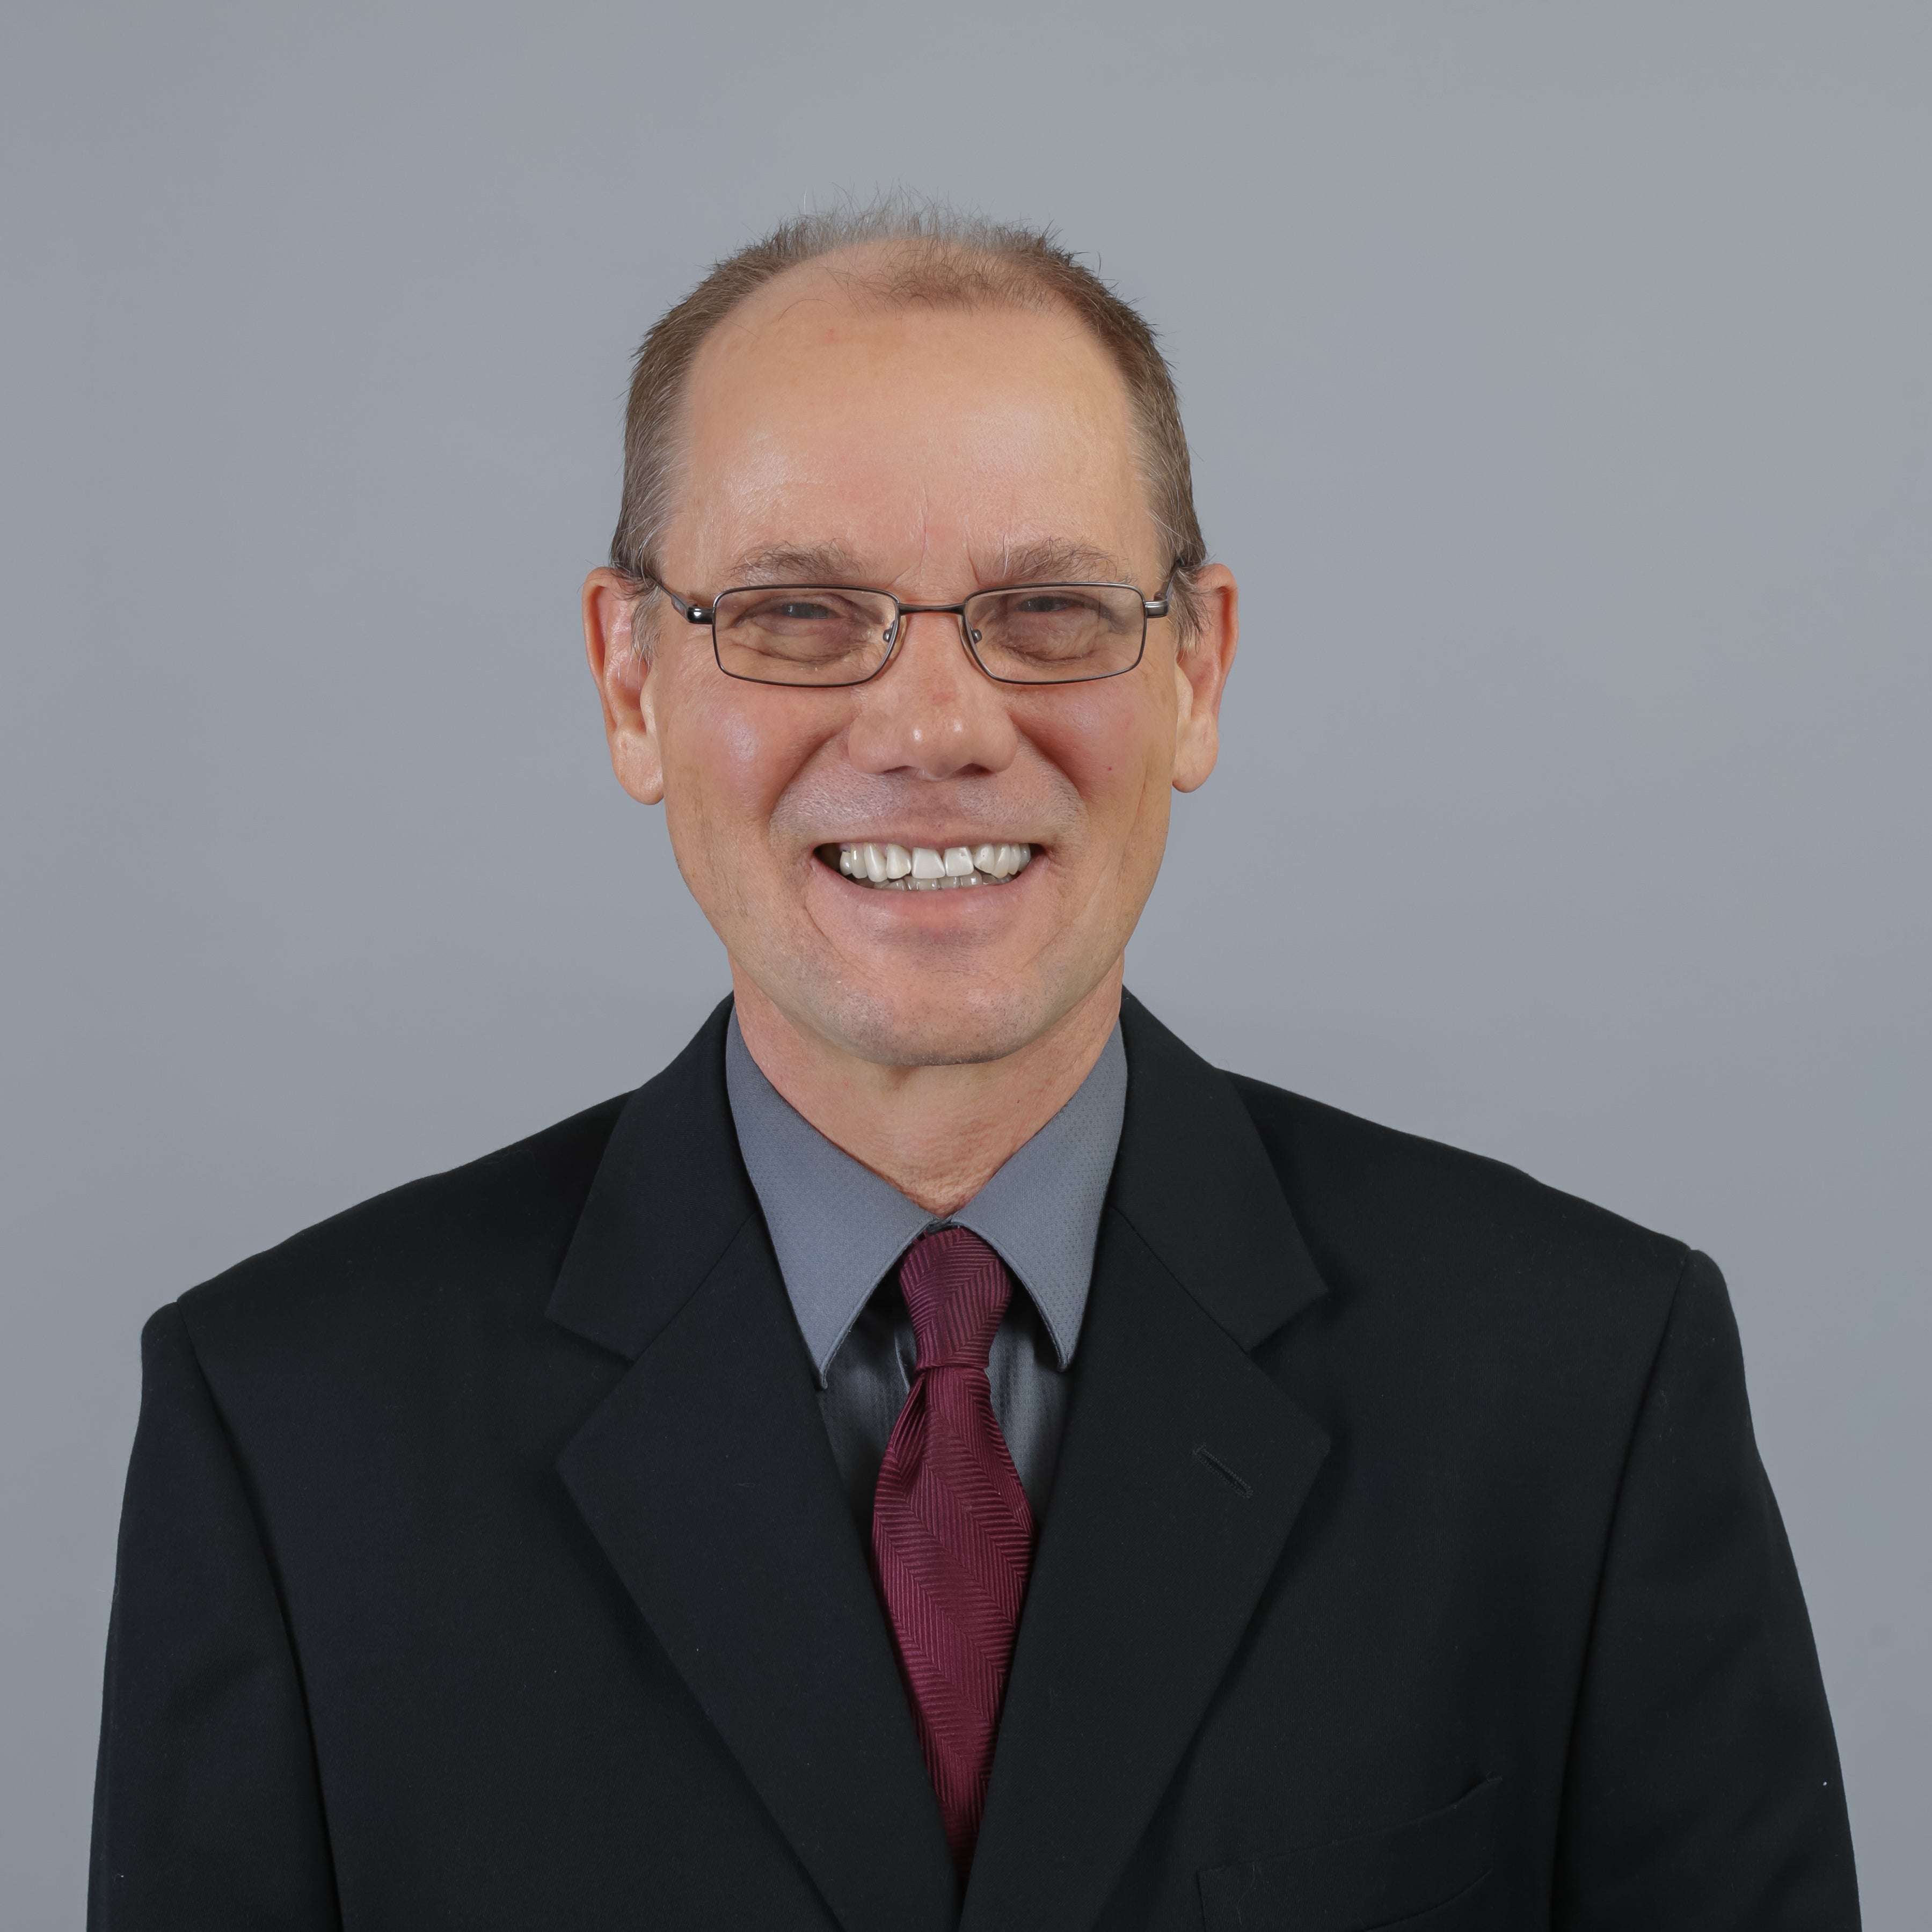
(1560, 381)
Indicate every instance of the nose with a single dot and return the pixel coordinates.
(932, 711)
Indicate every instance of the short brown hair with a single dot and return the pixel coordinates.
(940, 258)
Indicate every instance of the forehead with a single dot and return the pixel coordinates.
(817, 413)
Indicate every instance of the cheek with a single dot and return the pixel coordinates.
(729, 756)
(1116, 747)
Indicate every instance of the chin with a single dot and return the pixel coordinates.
(950, 1025)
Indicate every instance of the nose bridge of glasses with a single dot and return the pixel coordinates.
(902, 624)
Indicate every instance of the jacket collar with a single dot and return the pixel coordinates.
(1191, 1176)
(1196, 1183)
(669, 1197)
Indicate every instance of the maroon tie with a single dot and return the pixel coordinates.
(952, 1534)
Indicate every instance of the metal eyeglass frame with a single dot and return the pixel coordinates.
(706, 614)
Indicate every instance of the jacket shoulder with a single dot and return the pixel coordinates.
(1376, 1204)
(495, 1228)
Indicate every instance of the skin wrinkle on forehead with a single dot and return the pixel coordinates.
(1008, 557)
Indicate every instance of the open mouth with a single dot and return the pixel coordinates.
(927, 869)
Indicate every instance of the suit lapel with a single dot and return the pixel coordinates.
(1183, 1469)
(707, 1478)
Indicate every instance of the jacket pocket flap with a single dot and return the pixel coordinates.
(1359, 1883)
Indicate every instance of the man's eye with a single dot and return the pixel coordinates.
(794, 613)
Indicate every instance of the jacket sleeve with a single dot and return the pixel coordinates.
(1703, 1788)
(207, 1813)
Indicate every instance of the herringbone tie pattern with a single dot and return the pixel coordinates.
(952, 1534)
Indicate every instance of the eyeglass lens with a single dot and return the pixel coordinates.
(1036, 633)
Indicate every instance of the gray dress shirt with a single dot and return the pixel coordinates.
(839, 1231)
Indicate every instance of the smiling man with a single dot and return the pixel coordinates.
(941, 1453)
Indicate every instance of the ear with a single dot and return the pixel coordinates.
(623, 675)
(1200, 675)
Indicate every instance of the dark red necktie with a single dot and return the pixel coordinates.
(952, 1534)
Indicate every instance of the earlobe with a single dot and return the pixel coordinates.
(623, 677)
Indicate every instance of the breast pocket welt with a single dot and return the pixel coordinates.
(1424, 1876)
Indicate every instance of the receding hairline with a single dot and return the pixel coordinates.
(873, 286)
(919, 271)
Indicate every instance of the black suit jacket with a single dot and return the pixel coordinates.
(484, 1564)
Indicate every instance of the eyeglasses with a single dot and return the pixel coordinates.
(827, 635)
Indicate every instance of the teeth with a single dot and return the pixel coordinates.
(925, 868)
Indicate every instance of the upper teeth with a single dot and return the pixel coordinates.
(926, 868)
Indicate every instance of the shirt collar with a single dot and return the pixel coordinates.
(838, 1228)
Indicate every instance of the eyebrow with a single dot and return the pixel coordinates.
(792, 563)
(1055, 560)
(1058, 561)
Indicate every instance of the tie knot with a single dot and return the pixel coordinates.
(956, 1291)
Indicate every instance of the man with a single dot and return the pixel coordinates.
(940, 1454)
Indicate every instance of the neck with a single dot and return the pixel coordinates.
(938, 1134)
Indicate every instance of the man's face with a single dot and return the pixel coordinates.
(931, 453)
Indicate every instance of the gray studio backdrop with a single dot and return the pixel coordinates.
(1560, 381)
